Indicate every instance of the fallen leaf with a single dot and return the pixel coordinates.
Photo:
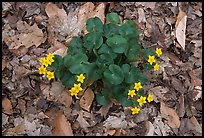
(87, 11)
(87, 99)
(171, 116)
(146, 5)
(7, 106)
(161, 128)
(52, 10)
(115, 122)
(104, 109)
(28, 36)
(194, 80)
(159, 93)
(111, 132)
(61, 126)
(82, 122)
(150, 128)
(4, 119)
(181, 28)
(141, 15)
(181, 106)
(4, 63)
(198, 127)
(111, 6)
(65, 98)
(178, 85)
(119, 132)
(54, 92)
(19, 129)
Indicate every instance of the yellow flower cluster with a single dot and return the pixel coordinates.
(141, 100)
(77, 87)
(151, 59)
(45, 61)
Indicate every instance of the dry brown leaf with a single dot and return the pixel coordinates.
(171, 116)
(111, 132)
(61, 126)
(4, 63)
(28, 36)
(52, 10)
(181, 28)
(87, 99)
(194, 80)
(161, 128)
(159, 92)
(141, 15)
(119, 132)
(104, 109)
(7, 106)
(198, 127)
(65, 98)
(82, 122)
(181, 106)
(87, 11)
(115, 122)
(111, 6)
(150, 128)
(54, 92)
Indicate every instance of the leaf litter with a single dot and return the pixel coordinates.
(36, 28)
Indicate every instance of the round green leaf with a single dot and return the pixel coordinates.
(129, 29)
(125, 68)
(75, 46)
(117, 43)
(113, 18)
(110, 30)
(94, 25)
(114, 74)
(102, 100)
(93, 40)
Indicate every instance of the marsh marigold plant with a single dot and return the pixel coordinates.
(102, 60)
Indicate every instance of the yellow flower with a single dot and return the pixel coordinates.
(80, 78)
(135, 110)
(142, 100)
(156, 67)
(44, 61)
(131, 93)
(150, 98)
(50, 57)
(137, 86)
(42, 70)
(151, 60)
(50, 75)
(73, 91)
(158, 51)
(78, 87)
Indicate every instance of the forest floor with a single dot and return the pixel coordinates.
(34, 106)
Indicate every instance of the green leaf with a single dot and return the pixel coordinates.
(93, 72)
(146, 52)
(125, 68)
(125, 101)
(117, 43)
(77, 63)
(68, 79)
(104, 49)
(114, 74)
(113, 18)
(93, 40)
(129, 29)
(57, 62)
(133, 50)
(94, 25)
(147, 66)
(110, 30)
(75, 46)
(102, 100)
